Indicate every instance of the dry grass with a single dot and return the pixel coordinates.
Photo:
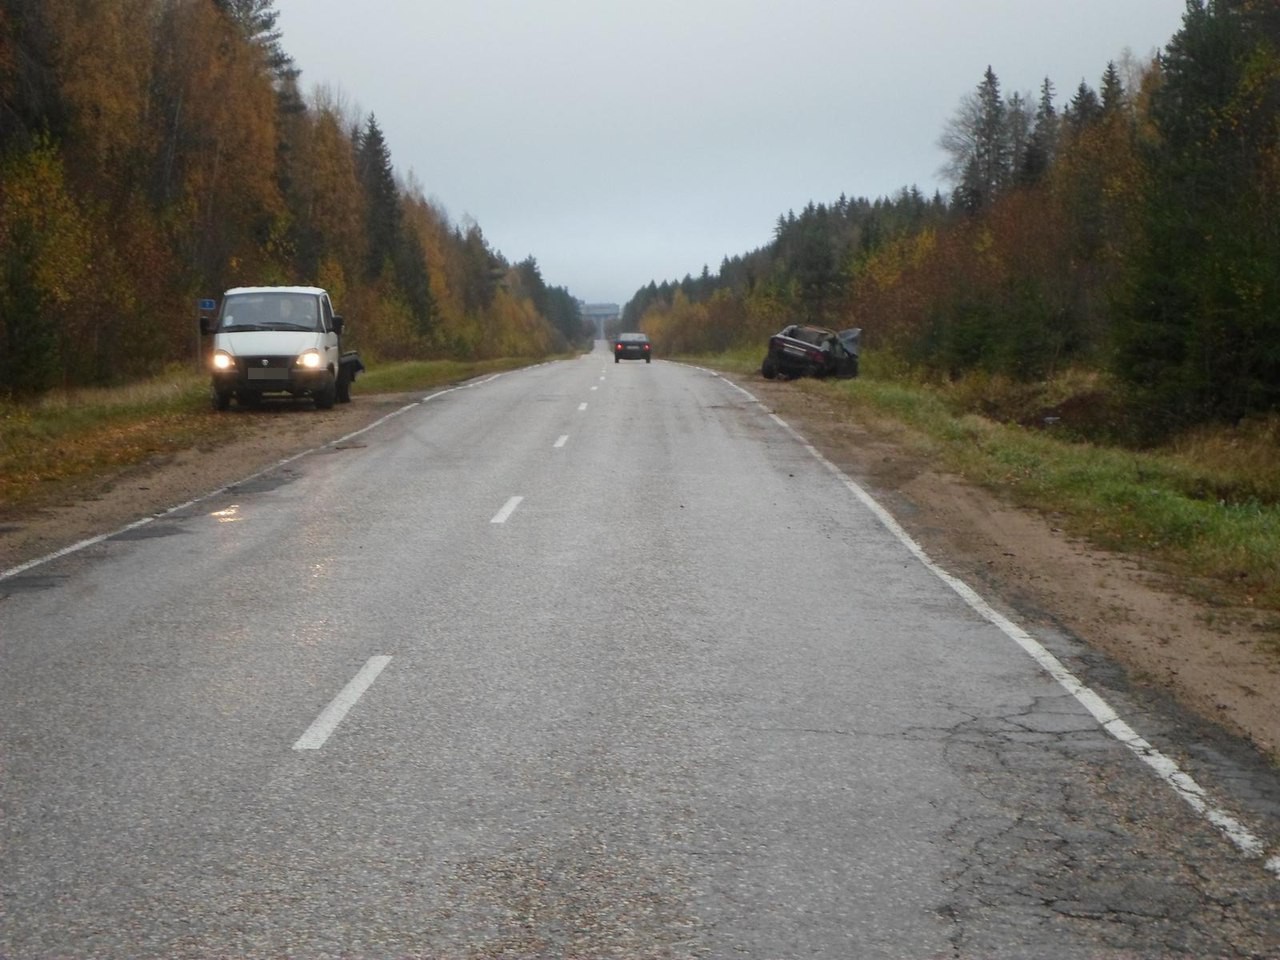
(47, 447)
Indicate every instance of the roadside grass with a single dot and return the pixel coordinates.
(1205, 507)
(740, 360)
(409, 376)
(50, 447)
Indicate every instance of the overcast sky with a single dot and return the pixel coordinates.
(623, 142)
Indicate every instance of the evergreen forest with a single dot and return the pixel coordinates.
(1130, 231)
(154, 153)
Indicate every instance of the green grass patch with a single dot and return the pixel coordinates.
(1186, 507)
(742, 360)
(410, 376)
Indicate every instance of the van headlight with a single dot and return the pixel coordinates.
(311, 360)
(223, 360)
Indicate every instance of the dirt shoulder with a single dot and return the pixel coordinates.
(1207, 658)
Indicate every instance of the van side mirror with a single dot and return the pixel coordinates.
(338, 323)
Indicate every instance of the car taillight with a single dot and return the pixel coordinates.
(815, 356)
(617, 346)
(646, 348)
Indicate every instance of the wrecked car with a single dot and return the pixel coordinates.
(802, 350)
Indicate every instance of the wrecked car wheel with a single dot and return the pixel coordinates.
(769, 369)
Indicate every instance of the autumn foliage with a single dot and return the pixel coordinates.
(156, 152)
(1131, 232)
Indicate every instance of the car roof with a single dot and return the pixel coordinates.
(809, 333)
(313, 291)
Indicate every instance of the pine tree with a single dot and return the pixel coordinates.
(382, 198)
(257, 21)
(1084, 109)
(1019, 122)
(1042, 146)
(977, 139)
(413, 280)
(1198, 336)
(481, 267)
(992, 149)
(1113, 96)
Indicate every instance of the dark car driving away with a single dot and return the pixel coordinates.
(631, 346)
(801, 350)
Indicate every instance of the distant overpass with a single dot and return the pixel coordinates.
(600, 315)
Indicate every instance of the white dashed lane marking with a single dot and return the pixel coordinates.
(328, 721)
(507, 510)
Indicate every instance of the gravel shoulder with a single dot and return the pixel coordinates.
(1206, 658)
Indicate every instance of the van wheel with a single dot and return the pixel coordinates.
(327, 395)
(344, 387)
(221, 399)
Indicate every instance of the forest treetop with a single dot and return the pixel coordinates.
(156, 152)
(1131, 230)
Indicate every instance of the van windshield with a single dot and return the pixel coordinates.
(269, 311)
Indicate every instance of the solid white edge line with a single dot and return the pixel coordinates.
(1165, 767)
(507, 510)
(322, 728)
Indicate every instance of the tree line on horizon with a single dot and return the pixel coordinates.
(157, 152)
(1133, 232)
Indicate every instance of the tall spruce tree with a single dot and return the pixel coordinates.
(257, 20)
(992, 149)
(1019, 122)
(1112, 95)
(1084, 110)
(977, 140)
(381, 197)
(414, 282)
(1042, 146)
(1199, 334)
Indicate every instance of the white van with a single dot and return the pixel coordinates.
(279, 340)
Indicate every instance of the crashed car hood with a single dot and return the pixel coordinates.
(851, 339)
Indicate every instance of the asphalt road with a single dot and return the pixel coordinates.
(587, 660)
